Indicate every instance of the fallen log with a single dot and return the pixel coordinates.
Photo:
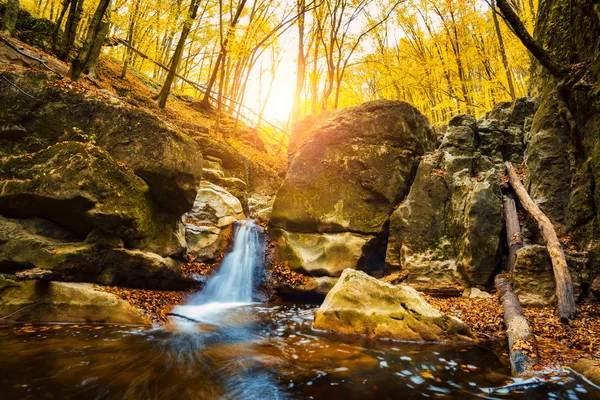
(513, 230)
(567, 308)
(521, 342)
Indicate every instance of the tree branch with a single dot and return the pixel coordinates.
(542, 55)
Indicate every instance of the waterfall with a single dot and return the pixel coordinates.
(234, 280)
(232, 285)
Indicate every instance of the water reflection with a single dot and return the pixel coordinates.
(267, 352)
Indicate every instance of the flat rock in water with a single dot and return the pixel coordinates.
(43, 301)
(362, 305)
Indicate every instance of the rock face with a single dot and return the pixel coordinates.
(349, 171)
(562, 171)
(361, 305)
(40, 301)
(208, 226)
(91, 188)
(449, 226)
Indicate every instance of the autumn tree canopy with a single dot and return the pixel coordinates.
(272, 56)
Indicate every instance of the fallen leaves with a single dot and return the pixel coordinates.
(156, 303)
(557, 344)
(483, 316)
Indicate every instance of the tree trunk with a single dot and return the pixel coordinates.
(222, 54)
(521, 342)
(187, 26)
(97, 46)
(301, 72)
(564, 286)
(9, 21)
(93, 41)
(130, 34)
(513, 230)
(73, 19)
(511, 86)
(542, 55)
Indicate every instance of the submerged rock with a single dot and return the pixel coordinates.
(362, 305)
(44, 302)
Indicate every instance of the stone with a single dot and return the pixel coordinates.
(354, 166)
(209, 223)
(448, 228)
(168, 161)
(589, 368)
(475, 293)
(82, 188)
(362, 305)
(314, 287)
(64, 302)
(533, 277)
(322, 254)
(35, 242)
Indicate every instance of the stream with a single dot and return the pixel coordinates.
(240, 349)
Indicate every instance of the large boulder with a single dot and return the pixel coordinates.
(45, 302)
(208, 226)
(37, 242)
(353, 168)
(78, 186)
(349, 169)
(326, 254)
(563, 165)
(361, 305)
(168, 161)
(448, 229)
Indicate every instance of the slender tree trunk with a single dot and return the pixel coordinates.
(70, 33)
(130, 35)
(301, 64)
(97, 47)
(187, 26)
(542, 55)
(315, 80)
(564, 286)
(222, 53)
(9, 21)
(58, 23)
(93, 41)
(511, 86)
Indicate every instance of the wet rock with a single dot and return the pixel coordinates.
(361, 305)
(319, 286)
(589, 368)
(321, 254)
(209, 223)
(44, 302)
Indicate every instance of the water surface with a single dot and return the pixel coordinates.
(253, 352)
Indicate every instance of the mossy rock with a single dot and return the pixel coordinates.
(361, 305)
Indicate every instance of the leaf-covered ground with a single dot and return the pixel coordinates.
(557, 344)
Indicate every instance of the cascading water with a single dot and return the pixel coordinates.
(232, 285)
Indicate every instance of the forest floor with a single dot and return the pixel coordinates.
(557, 344)
(182, 113)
